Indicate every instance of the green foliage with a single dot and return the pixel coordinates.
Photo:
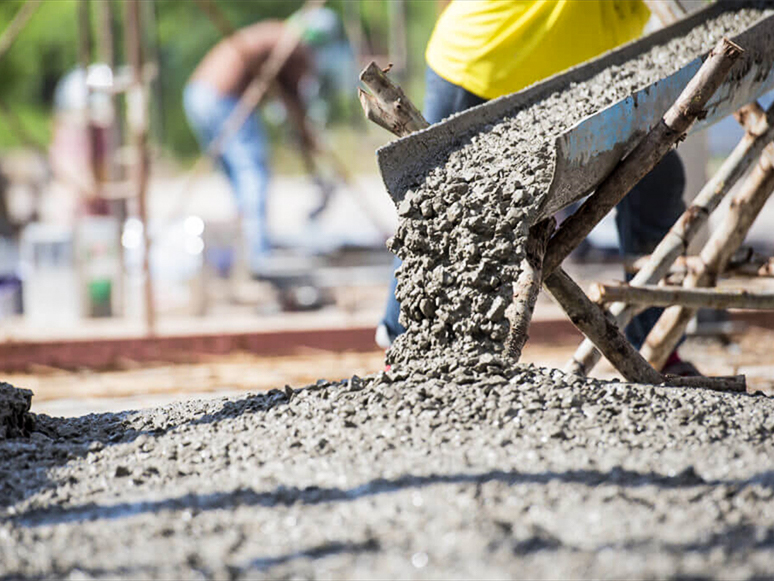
(29, 71)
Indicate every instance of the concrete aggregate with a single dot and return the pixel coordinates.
(525, 473)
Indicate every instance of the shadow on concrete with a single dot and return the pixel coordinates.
(313, 495)
(56, 441)
(235, 571)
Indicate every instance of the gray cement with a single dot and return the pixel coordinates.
(463, 226)
(471, 474)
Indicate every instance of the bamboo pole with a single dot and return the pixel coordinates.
(694, 298)
(138, 126)
(20, 19)
(744, 208)
(757, 139)
(688, 107)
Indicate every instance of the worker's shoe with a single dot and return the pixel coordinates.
(676, 366)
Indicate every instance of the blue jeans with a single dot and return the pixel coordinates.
(643, 217)
(244, 159)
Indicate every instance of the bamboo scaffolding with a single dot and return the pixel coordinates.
(694, 298)
(760, 133)
(744, 208)
(688, 107)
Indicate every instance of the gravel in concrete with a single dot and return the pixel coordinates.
(521, 474)
(15, 420)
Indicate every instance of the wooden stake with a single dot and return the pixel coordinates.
(744, 208)
(388, 106)
(672, 128)
(527, 287)
(696, 298)
(760, 133)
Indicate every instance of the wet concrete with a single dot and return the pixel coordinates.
(15, 420)
(526, 473)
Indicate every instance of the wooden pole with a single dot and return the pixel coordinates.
(731, 383)
(388, 106)
(676, 122)
(694, 298)
(137, 109)
(20, 19)
(760, 133)
(597, 325)
(744, 208)
(85, 58)
(592, 321)
(527, 287)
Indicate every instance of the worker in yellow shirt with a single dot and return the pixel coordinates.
(483, 49)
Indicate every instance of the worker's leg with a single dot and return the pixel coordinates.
(245, 156)
(200, 104)
(643, 218)
(442, 99)
(244, 159)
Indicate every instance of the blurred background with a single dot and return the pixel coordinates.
(72, 229)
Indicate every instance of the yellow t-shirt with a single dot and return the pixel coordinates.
(496, 47)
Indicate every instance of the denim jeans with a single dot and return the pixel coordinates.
(244, 158)
(643, 217)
